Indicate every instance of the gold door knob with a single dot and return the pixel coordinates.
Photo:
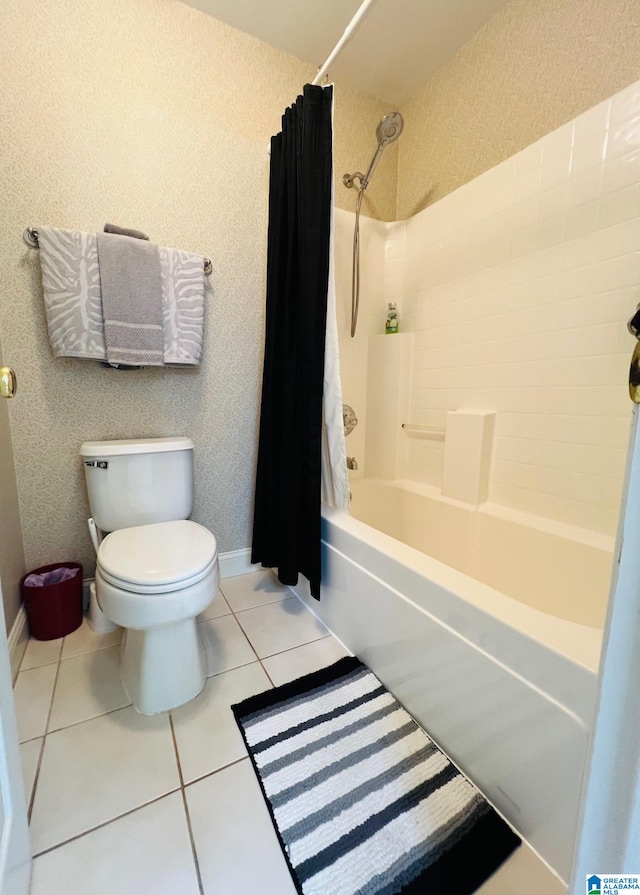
(8, 382)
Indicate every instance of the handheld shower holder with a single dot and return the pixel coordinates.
(349, 179)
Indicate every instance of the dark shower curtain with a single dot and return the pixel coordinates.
(286, 524)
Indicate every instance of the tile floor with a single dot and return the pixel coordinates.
(123, 804)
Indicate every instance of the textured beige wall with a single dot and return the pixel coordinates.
(150, 114)
(534, 66)
(11, 550)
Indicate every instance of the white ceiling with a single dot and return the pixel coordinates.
(396, 49)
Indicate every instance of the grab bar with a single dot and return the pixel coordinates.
(427, 431)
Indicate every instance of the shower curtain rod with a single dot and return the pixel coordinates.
(30, 236)
(346, 37)
(348, 33)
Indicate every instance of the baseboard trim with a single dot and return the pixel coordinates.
(17, 641)
(237, 562)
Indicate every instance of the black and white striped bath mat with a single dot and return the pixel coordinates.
(362, 800)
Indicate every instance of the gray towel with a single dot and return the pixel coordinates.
(131, 300)
(125, 231)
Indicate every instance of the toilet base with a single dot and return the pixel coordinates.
(162, 667)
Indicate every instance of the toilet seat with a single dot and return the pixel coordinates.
(135, 588)
(157, 558)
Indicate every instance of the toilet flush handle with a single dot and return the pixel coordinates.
(100, 464)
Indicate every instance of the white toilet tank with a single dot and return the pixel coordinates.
(138, 481)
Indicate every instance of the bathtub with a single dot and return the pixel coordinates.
(503, 686)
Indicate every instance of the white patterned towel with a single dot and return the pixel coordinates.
(72, 298)
(182, 275)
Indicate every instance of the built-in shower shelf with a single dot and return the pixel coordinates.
(424, 431)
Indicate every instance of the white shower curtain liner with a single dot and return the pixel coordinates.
(335, 479)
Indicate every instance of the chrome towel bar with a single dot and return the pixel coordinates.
(30, 236)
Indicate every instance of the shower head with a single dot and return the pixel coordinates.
(389, 128)
(387, 131)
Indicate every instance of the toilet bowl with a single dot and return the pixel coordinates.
(154, 580)
(96, 619)
(156, 569)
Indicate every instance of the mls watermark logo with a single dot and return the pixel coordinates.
(612, 884)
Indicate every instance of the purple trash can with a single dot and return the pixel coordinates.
(53, 610)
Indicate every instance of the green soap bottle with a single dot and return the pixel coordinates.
(391, 326)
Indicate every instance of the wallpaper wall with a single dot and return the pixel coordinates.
(149, 114)
(534, 66)
(11, 551)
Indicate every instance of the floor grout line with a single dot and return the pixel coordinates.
(87, 652)
(40, 665)
(259, 659)
(262, 665)
(36, 667)
(185, 805)
(175, 749)
(62, 658)
(289, 649)
(231, 668)
(192, 840)
(91, 718)
(290, 595)
(44, 740)
(245, 635)
(36, 776)
(260, 605)
(31, 739)
(106, 823)
(233, 613)
(222, 767)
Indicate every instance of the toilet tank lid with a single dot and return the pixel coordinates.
(134, 446)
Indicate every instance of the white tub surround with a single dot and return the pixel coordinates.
(516, 289)
(388, 386)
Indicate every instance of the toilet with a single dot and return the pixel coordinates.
(156, 569)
